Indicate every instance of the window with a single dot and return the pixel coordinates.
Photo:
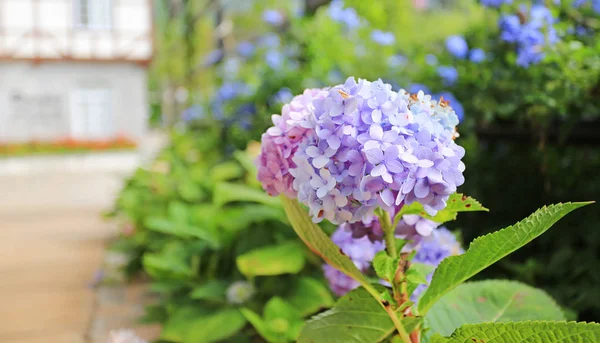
(93, 14)
(91, 114)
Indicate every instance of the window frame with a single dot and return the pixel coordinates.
(77, 16)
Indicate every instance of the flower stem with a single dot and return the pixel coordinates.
(388, 231)
(398, 324)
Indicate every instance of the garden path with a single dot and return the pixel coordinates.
(52, 242)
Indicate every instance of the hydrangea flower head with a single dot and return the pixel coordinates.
(477, 55)
(281, 141)
(414, 228)
(346, 15)
(383, 37)
(457, 46)
(373, 147)
(273, 17)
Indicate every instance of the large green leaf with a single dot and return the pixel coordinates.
(237, 218)
(312, 235)
(210, 290)
(310, 296)
(215, 327)
(356, 318)
(525, 332)
(456, 203)
(487, 250)
(227, 192)
(490, 301)
(180, 321)
(283, 258)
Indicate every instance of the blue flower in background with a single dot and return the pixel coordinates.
(396, 61)
(594, 3)
(454, 103)
(283, 96)
(457, 46)
(246, 49)
(383, 37)
(495, 3)
(230, 90)
(192, 113)
(213, 58)
(531, 36)
(274, 59)
(477, 55)
(273, 17)
(448, 74)
(270, 40)
(431, 59)
(416, 87)
(344, 15)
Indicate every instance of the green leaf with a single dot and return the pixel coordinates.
(226, 171)
(385, 266)
(215, 327)
(490, 301)
(180, 321)
(310, 296)
(523, 332)
(210, 290)
(356, 318)
(417, 275)
(283, 258)
(487, 250)
(237, 218)
(456, 203)
(226, 192)
(283, 319)
(312, 235)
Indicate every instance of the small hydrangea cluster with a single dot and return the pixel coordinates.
(360, 250)
(281, 141)
(239, 292)
(530, 36)
(361, 241)
(374, 147)
(432, 250)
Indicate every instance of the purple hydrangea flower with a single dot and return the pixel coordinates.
(414, 228)
(448, 74)
(383, 37)
(433, 250)
(360, 250)
(280, 142)
(457, 46)
(273, 17)
(374, 147)
(477, 55)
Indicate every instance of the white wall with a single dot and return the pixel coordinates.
(47, 29)
(45, 112)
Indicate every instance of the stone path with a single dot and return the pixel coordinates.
(52, 242)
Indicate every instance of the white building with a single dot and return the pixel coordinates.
(74, 69)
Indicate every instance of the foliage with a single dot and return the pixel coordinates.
(65, 146)
(215, 246)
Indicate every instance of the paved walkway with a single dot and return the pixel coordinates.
(52, 242)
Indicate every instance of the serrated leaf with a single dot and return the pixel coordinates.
(385, 266)
(310, 296)
(527, 332)
(457, 202)
(226, 192)
(283, 258)
(312, 235)
(356, 318)
(487, 250)
(490, 301)
(215, 327)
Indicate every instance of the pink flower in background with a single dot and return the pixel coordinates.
(420, 4)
